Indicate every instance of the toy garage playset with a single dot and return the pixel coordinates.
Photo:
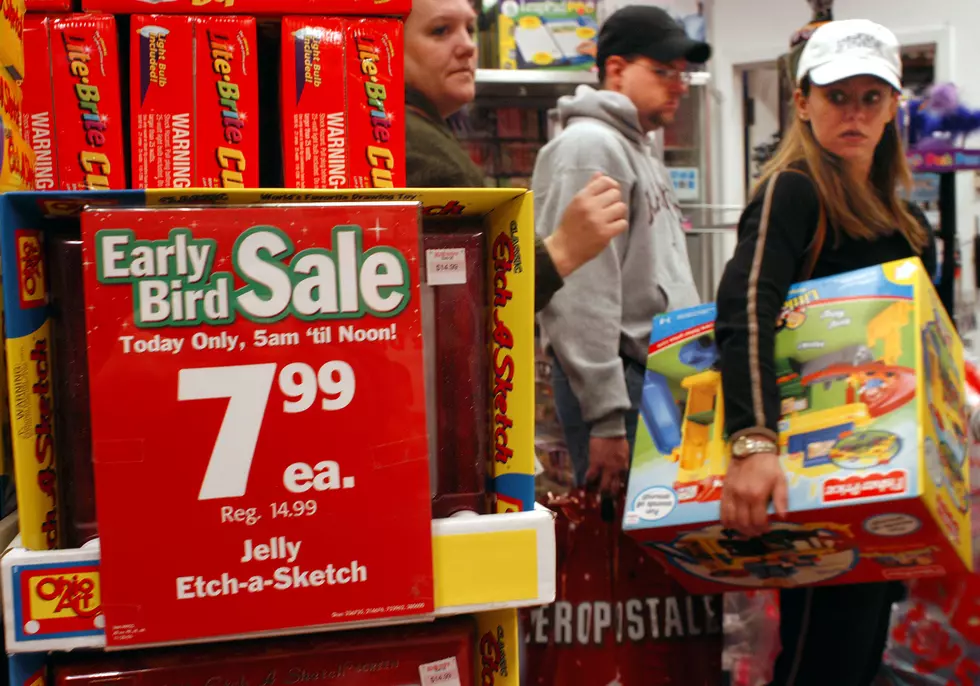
(872, 441)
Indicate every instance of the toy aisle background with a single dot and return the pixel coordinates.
(164, 316)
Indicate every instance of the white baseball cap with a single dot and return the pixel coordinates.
(841, 49)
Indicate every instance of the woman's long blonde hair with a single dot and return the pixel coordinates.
(857, 210)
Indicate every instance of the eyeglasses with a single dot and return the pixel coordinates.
(670, 75)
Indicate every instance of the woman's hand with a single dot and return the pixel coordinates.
(750, 484)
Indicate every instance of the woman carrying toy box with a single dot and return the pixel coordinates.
(827, 203)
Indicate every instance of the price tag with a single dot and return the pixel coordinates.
(445, 266)
(258, 418)
(441, 673)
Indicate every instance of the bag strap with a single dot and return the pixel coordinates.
(813, 251)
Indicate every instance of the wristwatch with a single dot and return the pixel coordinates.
(747, 446)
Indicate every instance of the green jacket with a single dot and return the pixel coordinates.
(435, 159)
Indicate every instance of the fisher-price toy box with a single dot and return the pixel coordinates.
(872, 438)
(531, 34)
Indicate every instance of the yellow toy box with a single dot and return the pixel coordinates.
(873, 440)
(12, 37)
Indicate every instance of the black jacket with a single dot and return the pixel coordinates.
(781, 240)
(435, 159)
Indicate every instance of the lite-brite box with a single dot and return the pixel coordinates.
(226, 71)
(12, 37)
(872, 437)
(88, 110)
(390, 8)
(38, 104)
(194, 99)
(376, 103)
(161, 94)
(48, 6)
(535, 34)
(314, 103)
(343, 103)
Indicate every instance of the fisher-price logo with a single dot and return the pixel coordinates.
(60, 600)
(868, 486)
(30, 269)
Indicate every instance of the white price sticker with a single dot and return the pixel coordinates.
(446, 266)
(441, 673)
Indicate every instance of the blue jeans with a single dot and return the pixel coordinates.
(577, 431)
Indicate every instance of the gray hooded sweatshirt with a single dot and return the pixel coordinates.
(606, 308)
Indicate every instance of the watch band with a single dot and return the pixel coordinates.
(747, 446)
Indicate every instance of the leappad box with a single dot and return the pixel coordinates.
(161, 93)
(38, 104)
(88, 109)
(376, 103)
(552, 35)
(12, 37)
(314, 103)
(194, 100)
(391, 8)
(872, 441)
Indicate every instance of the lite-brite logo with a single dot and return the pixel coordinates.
(173, 283)
(503, 343)
(856, 487)
(13, 17)
(153, 58)
(95, 164)
(30, 269)
(231, 160)
(793, 313)
(380, 157)
(59, 600)
(493, 657)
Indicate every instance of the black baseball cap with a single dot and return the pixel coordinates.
(648, 32)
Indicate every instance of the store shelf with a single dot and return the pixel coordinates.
(544, 83)
(52, 599)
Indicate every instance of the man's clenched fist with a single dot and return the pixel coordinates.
(596, 215)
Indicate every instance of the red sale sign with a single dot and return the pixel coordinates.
(258, 418)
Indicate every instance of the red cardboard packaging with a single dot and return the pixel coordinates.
(370, 657)
(161, 93)
(314, 112)
(38, 104)
(343, 103)
(48, 5)
(88, 111)
(227, 88)
(376, 103)
(194, 98)
(391, 8)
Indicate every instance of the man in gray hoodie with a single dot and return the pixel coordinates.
(598, 326)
